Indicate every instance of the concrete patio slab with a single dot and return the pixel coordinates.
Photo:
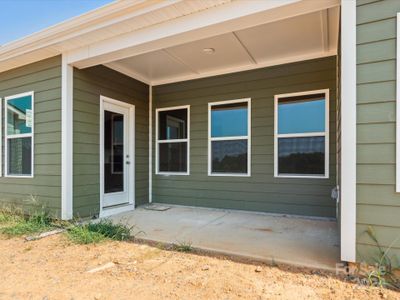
(282, 239)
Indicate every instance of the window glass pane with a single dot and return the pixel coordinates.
(172, 124)
(303, 156)
(301, 116)
(113, 152)
(19, 115)
(229, 120)
(20, 156)
(173, 157)
(229, 156)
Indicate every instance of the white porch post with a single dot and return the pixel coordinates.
(150, 143)
(66, 139)
(348, 131)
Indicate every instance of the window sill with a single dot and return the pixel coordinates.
(302, 177)
(172, 174)
(18, 176)
(229, 175)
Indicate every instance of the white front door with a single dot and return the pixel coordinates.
(117, 153)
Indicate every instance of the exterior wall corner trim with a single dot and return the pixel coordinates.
(66, 140)
(348, 132)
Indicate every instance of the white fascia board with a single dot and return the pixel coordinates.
(222, 19)
(102, 17)
(66, 140)
(348, 132)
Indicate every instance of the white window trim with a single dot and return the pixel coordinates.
(187, 140)
(246, 137)
(308, 134)
(15, 136)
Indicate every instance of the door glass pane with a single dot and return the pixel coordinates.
(20, 156)
(229, 156)
(173, 157)
(303, 156)
(301, 116)
(172, 124)
(113, 152)
(19, 115)
(229, 120)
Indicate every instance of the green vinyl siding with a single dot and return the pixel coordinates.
(261, 191)
(378, 205)
(44, 79)
(89, 84)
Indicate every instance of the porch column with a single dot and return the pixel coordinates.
(150, 143)
(348, 132)
(66, 139)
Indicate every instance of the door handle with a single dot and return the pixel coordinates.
(128, 162)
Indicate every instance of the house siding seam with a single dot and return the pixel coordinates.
(261, 191)
(44, 79)
(88, 85)
(378, 205)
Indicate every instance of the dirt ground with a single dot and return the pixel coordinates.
(54, 268)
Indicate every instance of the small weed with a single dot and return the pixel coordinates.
(82, 235)
(160, 246)
(97, 232)
(381, 274)
(17, 225)
(106, 227)
(183, 247)
(5, 217)
(9, 215)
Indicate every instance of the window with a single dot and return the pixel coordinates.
(302, 135)
(19, 135)
(173, 135)
(229, 138)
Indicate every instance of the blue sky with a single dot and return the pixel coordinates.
(23, 17)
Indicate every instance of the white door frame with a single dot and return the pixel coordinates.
(130, 185)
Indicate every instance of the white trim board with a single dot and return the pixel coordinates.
(309, 134)
(187, 140)
(348, 132)
(150, 144)
(17, 136)
(229, 17)
(398, 104)
(247, 137)
(131, 186)
(66, 140)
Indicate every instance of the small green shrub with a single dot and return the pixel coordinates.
(97, 232)
(16, 223)
(183, 247)
(106, 227)
(82, 235)
(21, 225)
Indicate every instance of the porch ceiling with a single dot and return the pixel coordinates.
(292, 39)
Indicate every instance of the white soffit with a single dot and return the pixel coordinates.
(112, 20)
(295, 36)
(298, 38)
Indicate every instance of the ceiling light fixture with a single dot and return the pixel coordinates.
(209, 50)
